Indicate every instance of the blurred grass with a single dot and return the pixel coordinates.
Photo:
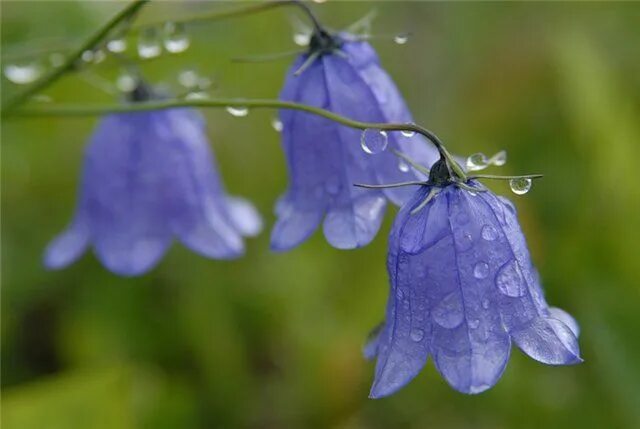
(273, 340)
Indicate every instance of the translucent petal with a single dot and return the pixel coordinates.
(67, 247)
(548, 341)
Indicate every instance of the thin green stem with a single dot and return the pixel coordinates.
(390, 185)
(498, 177)
(90, 110)
(70, 61)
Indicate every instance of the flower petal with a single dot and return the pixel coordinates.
(67, 247)
(356, 224)
(244, 216)
(566, 318)
(548, 341)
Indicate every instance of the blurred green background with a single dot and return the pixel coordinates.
(274, 340)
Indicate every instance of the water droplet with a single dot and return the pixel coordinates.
(188, 78)
(277, 124)
(99, 56)
(477, 161)
(238, 111)
(56, 59)
(489, 233)
(197, 95)
(374, 141)
(464, 241)
(117, 46)
(401, 39)
(149, 43)
(403, 166)
(520, 186)
(87, 56)
(22, 74)
(448, 313)
(499, 159)
(126, 81)
(416, 335)
(301, 39)
(485, 304)
(176, 39)
(481, 270)
(319, 1)
(408, 133)
(510, 281)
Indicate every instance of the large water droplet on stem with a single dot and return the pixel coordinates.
(176, 39)
(238, 111)
(149, 43)
(499, 159)
(401, 39)
(408, 133)
(277, 124)
(374, 141)
(477, 161)
(22, 74)
(301, 39)
(520, 186)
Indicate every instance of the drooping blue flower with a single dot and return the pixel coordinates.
(325, 158)
(463, 288)
(149, 177)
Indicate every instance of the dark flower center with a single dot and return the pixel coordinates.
(322, 42)
(439, 175)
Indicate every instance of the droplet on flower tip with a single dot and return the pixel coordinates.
(403, 166)
(499, 159)
(277, 124)
(117, 46)
(149, 43)
(401, 39)
(126, 82)
(188, 78)
(238, 111)
(408, 133)
(374, 141)
(176, 39)
(22, 74)
(520, 186)
(301, 39)
(477, 161)
(56, 59)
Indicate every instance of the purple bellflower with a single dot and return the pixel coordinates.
(463, 288)
(325, 159)
(149, 177)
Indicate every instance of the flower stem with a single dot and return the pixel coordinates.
(93, 109)
(54, 74)
(498, 177)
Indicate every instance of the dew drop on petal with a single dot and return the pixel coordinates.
(416, 335)
(176, 39)
(477, 161)
(499, 159)
(277, 124)
(401, 39)
(22, 74)
(403, 166)
(408, 133)
(238, 111)
(449, 313)
(374, 141)
(474, 323)
(510, 281)
(520, 186)
(117, 46)
(149, 43)
(481, 270)
(489, 233)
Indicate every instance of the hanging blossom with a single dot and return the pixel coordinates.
(463, 288)
(342, 74)
(149, 177)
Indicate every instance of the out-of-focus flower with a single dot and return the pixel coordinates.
(463, 288)
(325, 159)
(149, 177)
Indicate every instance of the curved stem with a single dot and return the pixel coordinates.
(89, 110)
(55, 73)
(498, 177)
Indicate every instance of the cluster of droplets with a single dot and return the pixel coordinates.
(172, 37)
(479, 161)
(195, 85)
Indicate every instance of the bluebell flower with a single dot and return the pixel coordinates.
(325, 158)
(149, 177)
(463, 288)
